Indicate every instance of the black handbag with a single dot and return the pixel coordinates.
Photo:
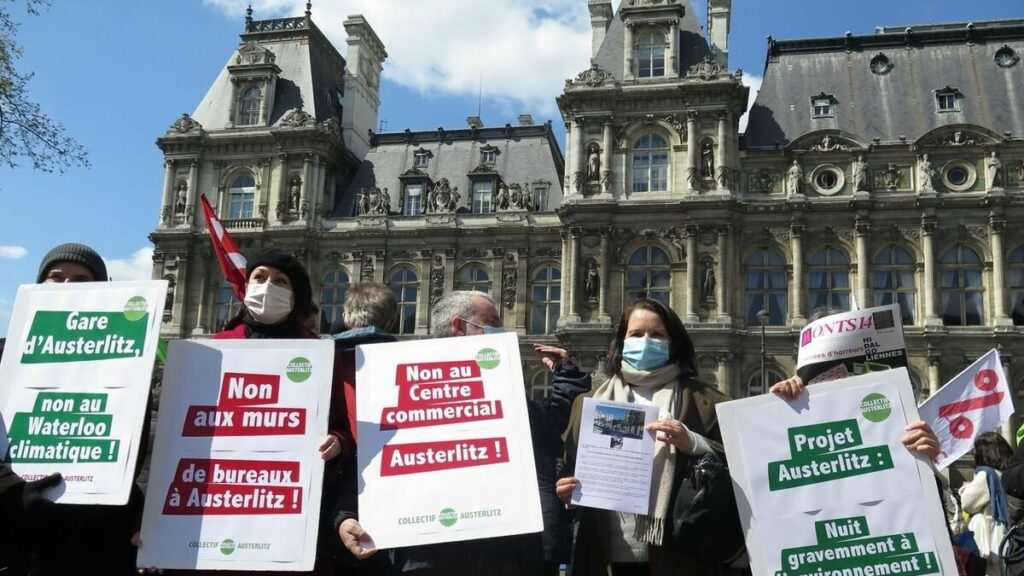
(1012, 551)
(705, 519)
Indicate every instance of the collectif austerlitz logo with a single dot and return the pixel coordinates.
(227, 547)
(875, 407)
(448, 517)
(135, 308)
(488, 358)
(299, 369)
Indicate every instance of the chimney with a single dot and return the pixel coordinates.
(525, 120)
(600, 19)
(475, 122)
(719, 15)
(364, 63)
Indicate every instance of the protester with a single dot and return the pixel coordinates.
(465, 313)
(984, 500)
(651, 362)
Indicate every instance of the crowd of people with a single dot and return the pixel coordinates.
(651, 362)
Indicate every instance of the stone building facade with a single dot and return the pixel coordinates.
(873, 169)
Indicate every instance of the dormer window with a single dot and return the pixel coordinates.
(823, 106)
(650, 55)
(249, 107)
(488, 156)
(421, 160)
(947, 100)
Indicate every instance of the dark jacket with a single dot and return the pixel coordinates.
(1013, 483)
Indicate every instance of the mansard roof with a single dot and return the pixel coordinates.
(884, 85)
(525, 155)
(312, 73)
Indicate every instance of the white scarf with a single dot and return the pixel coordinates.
(665, 383)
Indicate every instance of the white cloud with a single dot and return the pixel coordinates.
(754, 82)
(12, 252)
(521, 51)
(138, 266)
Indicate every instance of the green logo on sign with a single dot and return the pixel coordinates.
(875, 407)
(488, 358)
(135, 309)
(299, 369)
(227, 547)
(447, 517)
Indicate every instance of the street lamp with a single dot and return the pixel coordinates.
(762, 317)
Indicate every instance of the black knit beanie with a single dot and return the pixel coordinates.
(296, 272)
(76, 254)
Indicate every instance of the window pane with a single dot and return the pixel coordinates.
(658, 256)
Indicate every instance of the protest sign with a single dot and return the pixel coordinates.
(236, 477)
(74, 383)
(832, 455)
(443, 423)
(851, 343)
(977, 400)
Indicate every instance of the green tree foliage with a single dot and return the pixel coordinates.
(27, 134)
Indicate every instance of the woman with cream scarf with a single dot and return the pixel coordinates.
(651, 362)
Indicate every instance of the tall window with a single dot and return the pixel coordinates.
(1015, 271)
(650, 55)
(648, 275)
(830, 279)
(650, 164)
(413, 199)
(961, 291)
(333, 300)
(482, 196)
(241, 196)
(546, 297)
(754, 385)
(540, 386)
(474, 277)
(894, 281)
(249, 107)
(766, 287)
(225, 307)
(405, 285)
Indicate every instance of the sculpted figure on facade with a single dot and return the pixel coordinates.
(181, 198)
(443, 197)
(891, 176)
(594, 163)
(794, 179)
(295, 194)
(592, 282)
(436, 284)
(993, 171)
(707, 160)
(501, 198)
(707, 289)
(861, 181)
(925, 175)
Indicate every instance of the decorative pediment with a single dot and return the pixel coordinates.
(592, 77)
(483, 169)
(254, 54)
(297, 118)
(374, 202)
(706, 69)
(959, 136)
(513, 198)
(413, 173)
(827, 142)
(186, 124)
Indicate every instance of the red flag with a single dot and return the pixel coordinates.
(232, 263)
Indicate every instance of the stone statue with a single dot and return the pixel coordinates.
(515, 197)
(861, 181)
(925, 175)
(501, 199)
(892, 176)
(436, 284)
(295, 194)
(993, 171)
(594, 164)
(707, 289)
(181, 198)
(794, 179)
(707, 161)
(169, 302)
(591, 283)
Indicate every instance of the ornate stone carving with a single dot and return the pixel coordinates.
(513, 197)
(889, 178)
(706, 69)
(297, 118)
(367, 269)
(549, 252)
(958, 138)
(592, 77)
(474, 253)
(593, 162)
(165, 215)
(436, 284)
(859, 172)
(180, 198)
(761, 181)
(780, 235)
(925, 174)
(993, 171)
(678, 125)
(591, 281)
(443, 198)
(186, 124)
(253, 53)
(509, 276)
(707, 285)
(829, 144)
(374, 202)
(794, 179)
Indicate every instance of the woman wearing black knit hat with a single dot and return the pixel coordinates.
(278, 298)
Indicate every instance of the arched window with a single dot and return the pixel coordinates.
(766, 287)
(406, 286)
(894, 281)
(756, 387)
(650, 55)
(241, 196)
(546, 295)
(540, 386)
(333, 296)
(960, 288)
(648, 275)
(1015, 271)
(474, 277)
(830, 279)
(650, 164)
(225, 307)
(249, 107)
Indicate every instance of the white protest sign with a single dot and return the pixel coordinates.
(236, 478)
(74, 383)
(834, 452)
(443, 423)
(851, 343)
(977, 400)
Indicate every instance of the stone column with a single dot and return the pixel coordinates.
(193, 186)
(997, 227)
(606, 157)
(579, 155)
(928, 228)
(627, 72)
(264, 188)
(796, 246)
(167, 199)
(692, 154)
(307, 183)
(721, 153)
(724, 374)
(724, 287)
(564, 303)
(203, 266)
(282, 188)
(691, 275)
(573, 280)
(934, 382)
(862, 230)
(181, 289)
(670, 52)
(606, 264)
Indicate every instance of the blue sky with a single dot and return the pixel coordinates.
(116, 73)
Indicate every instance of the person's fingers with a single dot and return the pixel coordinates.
(48, 482)
(564, 487)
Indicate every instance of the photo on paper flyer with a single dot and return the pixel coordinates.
(852, 343)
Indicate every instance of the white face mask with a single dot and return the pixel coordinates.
(268, 303)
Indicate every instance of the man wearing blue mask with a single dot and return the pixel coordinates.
(465, 313)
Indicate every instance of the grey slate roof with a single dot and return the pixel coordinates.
(691, 45)
(311, 70)
(526, 154)
(900, 103)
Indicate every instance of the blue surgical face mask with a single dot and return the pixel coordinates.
(486, 329)
(645, 353)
